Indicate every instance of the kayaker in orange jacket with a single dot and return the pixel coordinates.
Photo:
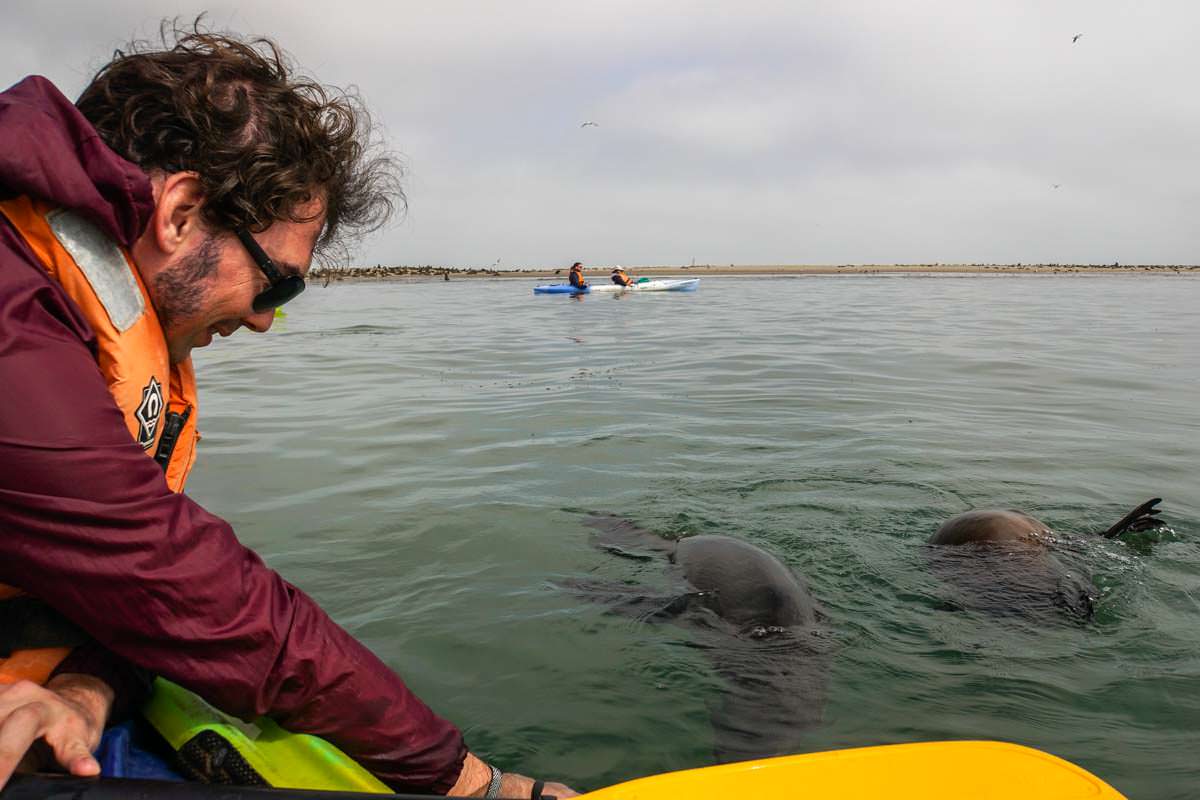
(620, 278)
(575, 276)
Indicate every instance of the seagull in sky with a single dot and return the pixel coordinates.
(1076, 38)
(1055, 185)
(590, 124)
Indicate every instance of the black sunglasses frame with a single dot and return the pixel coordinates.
(283, 287)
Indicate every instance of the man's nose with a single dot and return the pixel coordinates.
(260, 322)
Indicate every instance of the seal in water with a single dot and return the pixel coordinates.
(1003, 563)
(752, 616)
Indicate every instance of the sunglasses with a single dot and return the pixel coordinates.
(283, 287)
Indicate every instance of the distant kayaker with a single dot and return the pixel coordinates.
(181, 197)
(576, 276)
(620, 278)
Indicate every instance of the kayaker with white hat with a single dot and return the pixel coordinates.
(620, 278)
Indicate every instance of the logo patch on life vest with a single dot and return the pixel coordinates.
(148, 413)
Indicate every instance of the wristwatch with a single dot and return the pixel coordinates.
(493, 790)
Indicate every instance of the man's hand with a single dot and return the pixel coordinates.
(518, 786)
(68, 714)
(475, 776)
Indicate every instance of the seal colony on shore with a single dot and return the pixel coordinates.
(430, 272)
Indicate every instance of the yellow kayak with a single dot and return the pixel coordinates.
(204, 737)
(926, 771)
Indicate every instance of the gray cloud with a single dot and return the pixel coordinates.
(790, 132)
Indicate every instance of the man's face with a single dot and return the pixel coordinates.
(209, 288)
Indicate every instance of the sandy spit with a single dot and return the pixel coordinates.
(379, 272)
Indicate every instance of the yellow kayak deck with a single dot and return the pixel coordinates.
(926, 771)
(978, 770)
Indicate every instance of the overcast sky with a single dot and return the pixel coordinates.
(738, 132)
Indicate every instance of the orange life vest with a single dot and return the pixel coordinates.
(31, 663)
(157, 398)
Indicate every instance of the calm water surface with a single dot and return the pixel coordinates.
(420, 457)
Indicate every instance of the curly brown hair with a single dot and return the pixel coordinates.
(263, 141)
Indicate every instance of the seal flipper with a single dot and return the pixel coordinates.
(1142, 518)
(1077, 598)
(618, 599)
(622, 537)
(618, 550)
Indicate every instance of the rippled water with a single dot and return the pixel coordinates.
(420, 458)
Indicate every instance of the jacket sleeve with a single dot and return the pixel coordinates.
(89, 525)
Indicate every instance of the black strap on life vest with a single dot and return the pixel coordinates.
(26, 622)
(170, 436)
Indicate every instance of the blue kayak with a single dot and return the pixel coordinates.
(558, 288)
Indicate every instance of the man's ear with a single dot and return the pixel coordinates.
(177, 215)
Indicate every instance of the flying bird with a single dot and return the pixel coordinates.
(1076, 38)
(590, 124)
(1055, 185)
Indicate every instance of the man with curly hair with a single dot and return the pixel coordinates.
(183, 196)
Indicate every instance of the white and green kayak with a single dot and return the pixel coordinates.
(654, 285)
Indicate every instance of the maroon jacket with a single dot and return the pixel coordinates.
(88, 525)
